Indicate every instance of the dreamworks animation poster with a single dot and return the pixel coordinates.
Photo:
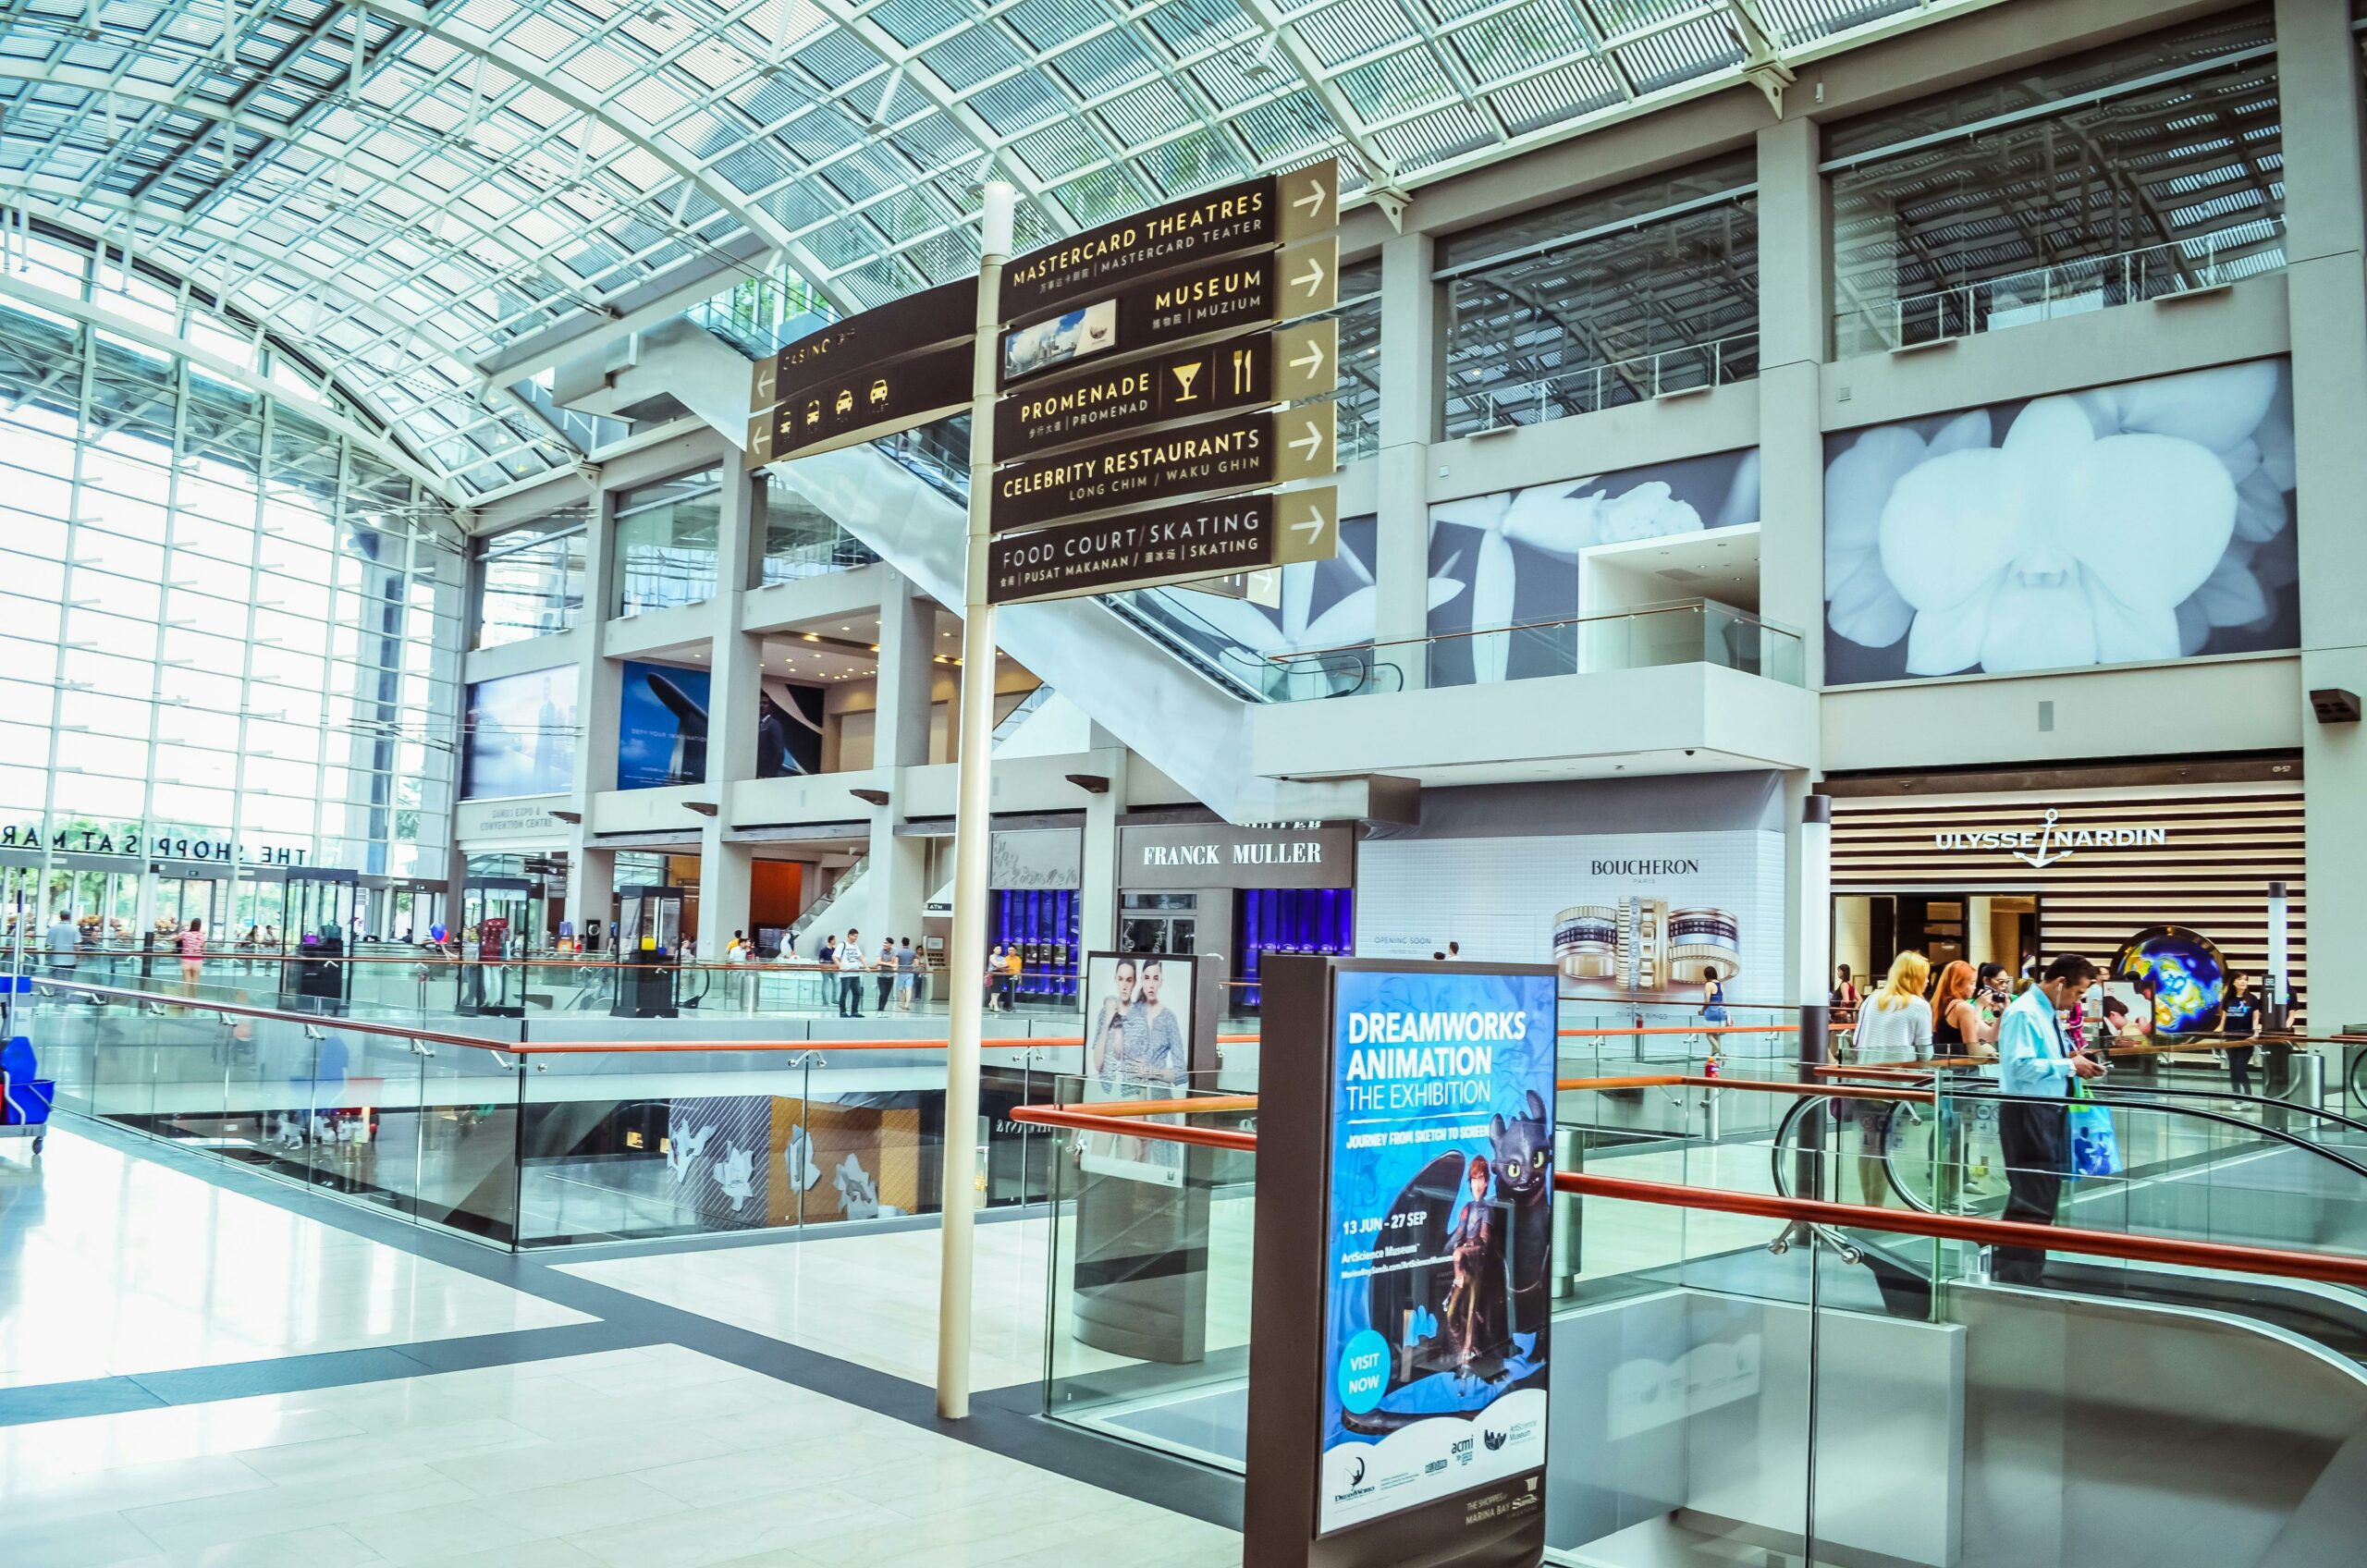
(1437, 1271)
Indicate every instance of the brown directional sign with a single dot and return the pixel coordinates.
(1225, 295)
(861, 403)
(1286, 366)
(1269, 210)
(1165, 544)
(871, 337)
(1244, 451)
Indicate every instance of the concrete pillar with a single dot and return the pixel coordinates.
(733, 704)
(1795, 316)
(1097, 886)
(907, 630)
(2327, 287)
(1413, 357)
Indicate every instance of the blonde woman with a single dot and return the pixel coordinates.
(1894, 1026)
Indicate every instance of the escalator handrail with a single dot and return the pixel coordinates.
(1906, 1074)
(2325, 1267)
(1782, 1143)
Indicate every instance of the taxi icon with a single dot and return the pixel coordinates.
(845, 404)
(813, 410)
(878, 392)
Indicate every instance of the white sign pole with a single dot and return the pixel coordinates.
(967, 966)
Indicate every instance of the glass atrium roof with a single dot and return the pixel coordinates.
(427, 195)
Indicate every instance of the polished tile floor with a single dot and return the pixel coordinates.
(801, 1294)
(111, 1264)
(119, 1271)
(656, 1458)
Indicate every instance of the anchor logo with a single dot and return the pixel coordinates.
(2047, 854)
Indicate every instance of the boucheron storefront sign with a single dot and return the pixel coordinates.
(2050, 841)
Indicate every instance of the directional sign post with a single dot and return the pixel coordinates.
(1284, 366)
(944, 314)
(1236, 452)
(1149, 547)
(1224, 295)
(1256, 214)
(863, 401)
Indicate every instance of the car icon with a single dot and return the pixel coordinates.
(878, 392)
(845, 405)
(814, 412)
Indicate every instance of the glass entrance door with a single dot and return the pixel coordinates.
(1159, 922)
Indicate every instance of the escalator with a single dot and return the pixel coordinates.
(2212, 1166)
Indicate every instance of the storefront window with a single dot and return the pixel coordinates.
(665, 539)
(531, 580)
(1613, 297)
(2149, 167)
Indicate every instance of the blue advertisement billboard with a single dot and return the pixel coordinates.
(520, 736)
(661, 725)
(1438, 1269)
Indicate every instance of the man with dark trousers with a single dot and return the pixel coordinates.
(2036, 1065)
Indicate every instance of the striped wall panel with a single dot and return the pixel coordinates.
(2206, 856)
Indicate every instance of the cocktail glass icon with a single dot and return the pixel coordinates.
(1184, 375)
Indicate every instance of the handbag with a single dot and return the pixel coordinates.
(2096, 1146)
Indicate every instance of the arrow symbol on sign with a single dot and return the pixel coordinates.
(1312, 440)
(1312, 360)
(1313, 526)
(1313, 199)
(1312, 278)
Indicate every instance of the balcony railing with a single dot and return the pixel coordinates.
(2064, 289)
(1696, 367)
(1693, 631)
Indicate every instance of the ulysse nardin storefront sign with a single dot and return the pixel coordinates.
(863, 401)
(1238, 452)
(886, 332)
(1216, 854)
(1269, 210)
(1244, 372)
(1158, 545)
(2049, 844)
(1224, 295)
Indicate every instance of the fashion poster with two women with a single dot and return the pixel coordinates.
(1438, 1267)
(1137, 1047)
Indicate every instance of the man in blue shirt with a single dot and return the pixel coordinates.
(2035, 1067)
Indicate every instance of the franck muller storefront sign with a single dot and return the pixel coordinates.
(1214, 854)
(1270, 210)
(1140, 549)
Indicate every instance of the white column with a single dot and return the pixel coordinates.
(1794, 313)
(2318, 65)
(733, 704)
(896, 882)
(599, 692)
(1097, 927)
(966, 995)
(1412, 364)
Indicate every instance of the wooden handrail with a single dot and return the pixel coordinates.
(544, 1047)
(2279, 1261)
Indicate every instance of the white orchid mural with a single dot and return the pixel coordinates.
(2149, 521)
(1523, 566)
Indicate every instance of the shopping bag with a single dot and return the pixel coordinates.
(2095, 1147)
